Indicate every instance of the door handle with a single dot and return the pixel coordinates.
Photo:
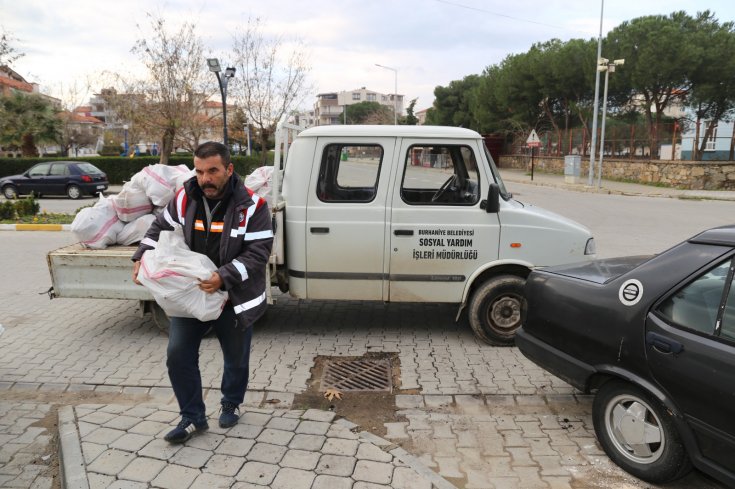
(403, 232)
(662, 344)
(319, 230)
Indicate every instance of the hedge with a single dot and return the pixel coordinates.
(120, 169)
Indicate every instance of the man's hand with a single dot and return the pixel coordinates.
(212, 284)
(136, 269)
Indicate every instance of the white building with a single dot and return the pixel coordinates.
(329, 107)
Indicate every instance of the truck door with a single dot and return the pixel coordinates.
(439, 235)
(346, 219)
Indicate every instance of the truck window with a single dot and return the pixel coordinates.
(440, 175)
(349, 172)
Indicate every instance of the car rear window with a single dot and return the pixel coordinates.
(89, 168)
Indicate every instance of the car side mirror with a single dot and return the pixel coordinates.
(492, 204)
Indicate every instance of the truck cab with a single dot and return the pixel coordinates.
(410, 214)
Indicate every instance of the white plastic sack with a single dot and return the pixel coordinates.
(259, 181)
(159, 181)
(171, 272)
(134, 231)
(131, 202)
(98, 226)
(181, 179)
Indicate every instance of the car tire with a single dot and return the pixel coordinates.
(495, 309)
(638, 433)
(73, 192)
(10, 192)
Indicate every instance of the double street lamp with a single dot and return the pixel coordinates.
(608, 67)
(214, 66)
(395, 92)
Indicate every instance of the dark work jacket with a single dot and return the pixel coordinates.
(245, 245)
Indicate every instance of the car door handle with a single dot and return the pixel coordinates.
(319, 230)
(662, 344)
(403, 232)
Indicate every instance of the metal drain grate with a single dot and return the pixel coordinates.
(358, 375)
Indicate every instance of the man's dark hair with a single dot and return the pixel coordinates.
(212, 148)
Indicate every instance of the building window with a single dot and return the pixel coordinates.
(711, 141)
(356, 96)
(371, 97)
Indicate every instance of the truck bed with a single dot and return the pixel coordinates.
(79, 272)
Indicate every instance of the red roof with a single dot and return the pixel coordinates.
(18, 85)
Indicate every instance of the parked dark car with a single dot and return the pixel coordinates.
(71, 178)
(655, 338)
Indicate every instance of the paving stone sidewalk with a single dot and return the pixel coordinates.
(122, 446)
(25, 448)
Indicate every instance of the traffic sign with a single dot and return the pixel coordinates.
(533, 140)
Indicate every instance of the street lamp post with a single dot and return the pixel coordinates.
(596, 108)
(125, 128)
(395, 92)
(608, 68)
(214, 66)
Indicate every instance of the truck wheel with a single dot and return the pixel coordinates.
(160, 317)
(495, 309)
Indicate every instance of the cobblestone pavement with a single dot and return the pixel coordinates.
(485, 417)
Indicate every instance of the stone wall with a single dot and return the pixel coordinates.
(692, 175)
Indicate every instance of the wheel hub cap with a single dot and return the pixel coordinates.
(506, 312)
(636, 431)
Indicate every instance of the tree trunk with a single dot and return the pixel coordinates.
(167, 144)
(264, 134)
(28, 146)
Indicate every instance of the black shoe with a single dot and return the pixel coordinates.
(230, 415)
(185, 430)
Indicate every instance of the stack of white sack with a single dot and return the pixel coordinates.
(98, 226)
(124, 218)
(171, 272)
(259, 181)
(160, 182)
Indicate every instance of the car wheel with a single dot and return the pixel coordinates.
(495, 309)
(73, 191)
(10, 192)
(638, 433)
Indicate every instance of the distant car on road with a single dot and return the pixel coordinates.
(70, 178)
(655, 337)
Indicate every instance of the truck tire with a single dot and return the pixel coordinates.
(495, 309)
(160, 317)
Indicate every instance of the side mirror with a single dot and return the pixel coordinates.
(492, 204)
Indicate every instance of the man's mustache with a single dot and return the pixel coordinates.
(208, 185)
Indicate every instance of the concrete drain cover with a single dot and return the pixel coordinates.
(365, 375)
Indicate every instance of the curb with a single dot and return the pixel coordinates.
(35, 227)
(73, 469)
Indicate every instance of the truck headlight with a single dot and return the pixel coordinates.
(590, 248)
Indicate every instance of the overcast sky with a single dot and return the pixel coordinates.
(429, 42)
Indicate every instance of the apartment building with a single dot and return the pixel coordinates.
(329, 106)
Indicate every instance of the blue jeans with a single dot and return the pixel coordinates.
(184, 338)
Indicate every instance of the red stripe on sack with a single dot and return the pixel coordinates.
(157, 178)
(102, 231)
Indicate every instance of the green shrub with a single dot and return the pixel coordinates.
(7, 210)
(27, 206)
(120, 169)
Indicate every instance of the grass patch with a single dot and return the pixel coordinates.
(42, 218)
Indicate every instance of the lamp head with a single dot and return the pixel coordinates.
(213, 64)
(619, 62)
(229, 72)
(602, 61)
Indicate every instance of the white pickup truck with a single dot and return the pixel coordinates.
(385, 213)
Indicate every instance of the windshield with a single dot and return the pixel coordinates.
(496, 174)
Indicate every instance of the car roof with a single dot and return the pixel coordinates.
(390, 131)
(724, 235)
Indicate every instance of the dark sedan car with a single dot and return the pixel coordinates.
(655, 337)
(71, 178)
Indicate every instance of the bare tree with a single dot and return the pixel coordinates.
(171, 97)
(273, 78)
(8, 52)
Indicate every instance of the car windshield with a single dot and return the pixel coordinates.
(496, 174)
(89, 168)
